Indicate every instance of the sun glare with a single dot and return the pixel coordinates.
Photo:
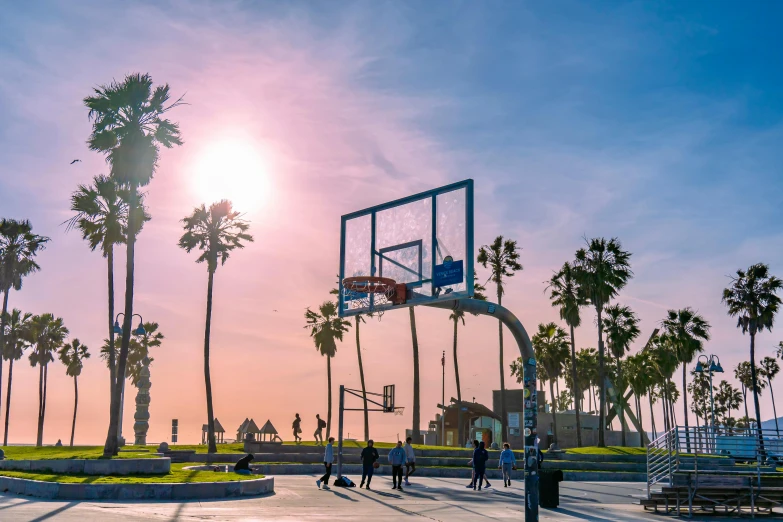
(233, 170)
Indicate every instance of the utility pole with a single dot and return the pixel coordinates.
(443, 402)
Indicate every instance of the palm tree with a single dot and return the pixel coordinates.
(47, 335)
(602, 270)
(743, 375)
(566, 294)
(502, 259)
(129, 127)
(138, 350)
(622, 328)
(551, 345)
(638, 373)
(102, 217)
(457, 316)
(216, 231)
(770, 368)
(17, 333)
(416, 420)
(663, 359)
(728, 398)
(326, 328)
(72, 356)
(18, 248)
(687, 331)
(752, 299)
(587, 373)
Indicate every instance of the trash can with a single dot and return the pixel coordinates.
(549, 487)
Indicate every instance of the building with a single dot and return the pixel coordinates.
(219, 432)
(478, 422)
(248, 430)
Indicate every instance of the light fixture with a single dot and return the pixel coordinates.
(699, 367)
(117, 328)
(140, 330)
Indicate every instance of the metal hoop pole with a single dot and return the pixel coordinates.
(340, 433)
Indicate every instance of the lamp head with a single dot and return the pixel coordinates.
(699, 367)
(140, 330)
(716, 367)
(117, 328)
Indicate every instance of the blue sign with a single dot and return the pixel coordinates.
(449, 273)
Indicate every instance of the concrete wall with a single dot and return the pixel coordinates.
(91, 466)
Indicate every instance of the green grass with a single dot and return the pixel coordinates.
(609, 450)
(65, 452)
(177, 475)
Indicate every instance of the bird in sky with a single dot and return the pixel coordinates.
(76, 161)
(274, 310)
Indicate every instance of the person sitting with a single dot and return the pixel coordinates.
(243, 465)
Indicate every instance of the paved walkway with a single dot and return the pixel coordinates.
(297, 498)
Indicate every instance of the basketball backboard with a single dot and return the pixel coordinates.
(424, 241)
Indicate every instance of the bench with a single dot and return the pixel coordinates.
(727, 491)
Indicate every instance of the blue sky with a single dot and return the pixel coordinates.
(656, 122)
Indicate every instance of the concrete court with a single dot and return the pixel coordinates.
(297, 498)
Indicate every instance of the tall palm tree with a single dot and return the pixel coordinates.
(602, 269)
(743, 374)
(551, 345)
(502, 259)
(102, 217)
(129, 127)
(752, 299)
(568, 297)
(47, 335)
(457, 316)
(663, 359)
(217, 232)
(17, 333)
(687, 331)
(729, 398)
(18, 248)
(72, 355)
(622, 328)
(638, 375)
(770, 368)
(326, 328)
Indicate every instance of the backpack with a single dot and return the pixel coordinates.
(321, 423)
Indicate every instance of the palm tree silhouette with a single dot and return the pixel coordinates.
(326, 328)
(47, 335)
(17, 333)
(139, 348)
(217, 232)
(18, 248)
(743, 375)
(72, 356)
(551, 345)
(687, 331)
(502, 259)
(621, 327)
(770, 368)
(102, 217)
(638, 375)
(602, 269)
(129, 127)
(752, 299)
(568, 297)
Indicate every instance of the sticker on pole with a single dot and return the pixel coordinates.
(448, 273)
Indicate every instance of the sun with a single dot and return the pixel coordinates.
(232, 169)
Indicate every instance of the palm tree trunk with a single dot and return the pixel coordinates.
(111, 446)
(75, 406)
(8, 400)
(652, 414)
(577, 393)
(207, 378)
(554, 410)
(601, 383)
(329, 396)
(39, 438)
(774, 410)
(416, 428)
(639, 416)
(460, 433)
(2, 337)
(503, 416)
(753, 381)
(621, 408)
(40, 402)
(745, 401)
(112, 361)
(361, 376)
(685, 407)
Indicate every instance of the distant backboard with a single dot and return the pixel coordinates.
(424, 241)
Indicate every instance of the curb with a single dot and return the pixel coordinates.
(174, 491)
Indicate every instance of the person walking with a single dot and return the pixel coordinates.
(397, 460)
(474, 445)
(369, 458)
(297, 427)
(328, 461)
(480, 458)
(506, 463)
(319, 430)
(410, 465)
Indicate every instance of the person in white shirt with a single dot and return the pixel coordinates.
(328, 461)
(410, 465)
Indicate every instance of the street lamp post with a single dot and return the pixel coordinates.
(712, 365)
(138, 331)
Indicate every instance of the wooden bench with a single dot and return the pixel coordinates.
(726, 491)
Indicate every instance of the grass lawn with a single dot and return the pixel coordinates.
(609, 450)
(177, 475)
(66, 452)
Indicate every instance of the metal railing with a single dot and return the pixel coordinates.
(684, 450)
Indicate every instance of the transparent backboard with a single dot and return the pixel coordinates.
(424, 241)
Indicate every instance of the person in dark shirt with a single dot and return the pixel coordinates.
(480, 458)
(243, 465)
(297, 427)
(369, 458)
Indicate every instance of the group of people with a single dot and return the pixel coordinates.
(403, 455)
(319, 430)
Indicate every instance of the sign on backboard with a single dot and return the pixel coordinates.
(424, 241)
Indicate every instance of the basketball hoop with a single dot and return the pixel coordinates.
(371, 291)
(399, 410)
